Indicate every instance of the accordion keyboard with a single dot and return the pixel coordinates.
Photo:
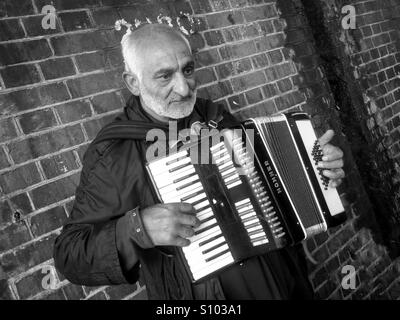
(177, 181)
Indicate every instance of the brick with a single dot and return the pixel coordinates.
(73, 291)
(5, 212)
(216, 91)
(7, 129)
(224, 19)
(12, 8)
(237, 102)
(73, 111)
(93, 127)
(91, 61)
(81, 42)
(21, 206)
(270, 90)
(57, 294)
(10, 29)
(59, 164)
(55, 191)
(275, 56)
(53, 93)
(206, 58)
(141, 295)
(248, 81)
(284, 85)
(57, 68)
(47, 221)
(19, 178)
(201, 6)
(5, 290)
(77, 20)
(31, 284)
(260, 13)
(260, 60)
(205, 76)
(4, 163)
(68, 4)
(20, 75)
(13, 236)
(47, 143)
(259, 110)
(114, 57)
(121, 291)
(240, 50)
(233, 68)
(214, 38)
(234, 33)
(33, 26)
(98, 296)
(269, 42)
(196, 42)
(105, 17)
(37, 120)
(254, 95)
(94, 83)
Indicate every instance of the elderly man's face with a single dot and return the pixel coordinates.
(167, 85)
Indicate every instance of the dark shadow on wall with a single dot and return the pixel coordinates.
(376, 168)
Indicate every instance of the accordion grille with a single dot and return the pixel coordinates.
(289, 166)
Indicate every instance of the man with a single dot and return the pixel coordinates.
(117, 230)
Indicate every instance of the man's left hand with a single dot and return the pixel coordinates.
(332, 160)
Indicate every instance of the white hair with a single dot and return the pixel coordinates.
(132, 41)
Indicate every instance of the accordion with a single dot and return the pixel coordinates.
(255, 188)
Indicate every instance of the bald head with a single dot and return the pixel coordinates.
(148, 37)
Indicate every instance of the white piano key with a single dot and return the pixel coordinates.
(166, 178)
(248, 215)
(197, 198)
(184, 192)
(204, 234)
(163, 167)
(195, 261)
(223, 261)
(256, 235)
(175, 186)
(195, 250)
(217, 146)
(205, 224)
(249, 222)
(254, 228)
(260, 242)
(202, 204)
(232, 185)
(239, 203)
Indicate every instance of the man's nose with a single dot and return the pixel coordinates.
(182, 86)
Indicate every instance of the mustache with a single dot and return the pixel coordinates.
(188, 98)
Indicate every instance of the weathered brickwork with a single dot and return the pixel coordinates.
(59, 86)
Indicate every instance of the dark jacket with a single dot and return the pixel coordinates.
(113, 182)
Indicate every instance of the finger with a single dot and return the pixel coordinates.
(187, 219)
(326, 137)
(179, 206)
(185, 232)
(335, 183)
(186, 208)
(181, 242)
(336, 164)
(331, 152)
(334, 174)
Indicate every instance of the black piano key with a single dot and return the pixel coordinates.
(206, 228)
(202, 243)
(179, 167)
(187, 185)
(217, 255)
(206, 219)
(258, 239)
(184, 177)
(192, 195)
(255, 224)
(176, 160)
(213, 247)
(229, 175)
(256, 231)
(243, 205)
(199, 201)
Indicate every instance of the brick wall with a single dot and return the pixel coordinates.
(59, 87)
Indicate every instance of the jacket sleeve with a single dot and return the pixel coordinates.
(87, 250)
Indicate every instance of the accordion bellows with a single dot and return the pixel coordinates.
(255, 188)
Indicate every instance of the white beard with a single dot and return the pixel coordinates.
(176, 110)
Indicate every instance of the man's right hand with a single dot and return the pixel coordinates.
(170, 224)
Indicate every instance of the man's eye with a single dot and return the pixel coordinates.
(166, 76)
(188, 71)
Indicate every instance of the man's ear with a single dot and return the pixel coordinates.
(131, 82)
